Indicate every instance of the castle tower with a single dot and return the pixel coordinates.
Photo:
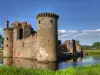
(8, 41)
(47, 36)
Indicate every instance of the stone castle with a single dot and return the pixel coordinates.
(71, 46)
(22, 41)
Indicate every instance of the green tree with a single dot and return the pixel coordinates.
(86, 47)
(96, 45)
(1, 41)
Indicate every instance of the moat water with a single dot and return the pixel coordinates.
(87, 60)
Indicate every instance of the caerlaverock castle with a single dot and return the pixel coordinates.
(21, 40)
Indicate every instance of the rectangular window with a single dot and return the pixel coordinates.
(7, 38)
(6, 45)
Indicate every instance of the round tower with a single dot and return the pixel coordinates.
(47, 36)
(8, 41)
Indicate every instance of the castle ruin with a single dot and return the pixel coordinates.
(71, 46)
(22, 41)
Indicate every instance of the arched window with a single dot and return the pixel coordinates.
(20, 33)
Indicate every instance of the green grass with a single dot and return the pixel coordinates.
(6, 70)
(92, 52)
(86, 70)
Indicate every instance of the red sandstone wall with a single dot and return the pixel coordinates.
(25, 48)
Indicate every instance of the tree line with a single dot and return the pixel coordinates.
(95, 45)
(1, 42)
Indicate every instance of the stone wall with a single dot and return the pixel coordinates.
(70, 46)
(78, 47)
(67, 45)
(25, 48)
(26, 32)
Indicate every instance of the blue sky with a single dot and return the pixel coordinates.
(79, 19)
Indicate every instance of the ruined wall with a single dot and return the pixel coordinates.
(78, 47)
(26, 32)
(67, 45)
(26, 29)
(71, 46)
(25, 48)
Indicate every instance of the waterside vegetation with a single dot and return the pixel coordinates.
(81, 70)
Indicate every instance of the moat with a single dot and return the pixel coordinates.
(26, 63)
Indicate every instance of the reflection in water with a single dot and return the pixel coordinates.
(25, 63)
(72, 62)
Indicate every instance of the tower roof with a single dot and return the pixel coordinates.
(47, 14)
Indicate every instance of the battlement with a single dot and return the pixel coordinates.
(47, 15)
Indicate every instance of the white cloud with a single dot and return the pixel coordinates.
(72, 31)
(76, 33)
(62, 31)
(98, 29)
(84, 36)
(63, 35)
(0, 29)
(92, 31)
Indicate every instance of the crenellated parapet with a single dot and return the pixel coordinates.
(47, 15)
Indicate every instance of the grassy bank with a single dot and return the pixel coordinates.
(87, 70)
(92, 52)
